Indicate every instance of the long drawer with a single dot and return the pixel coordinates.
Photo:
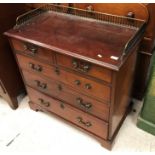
(86, 121)
(80, 83)
(62, 92)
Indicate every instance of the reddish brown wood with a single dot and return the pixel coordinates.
(141, 77)
(122, 93)
(139, 10)
(40, 67)
(70, 96)
(149, 33)
(53, 87)
(11, 84)
(144, 57)
(92, 38)
(94, 70)
(102, 92)
(40, 53)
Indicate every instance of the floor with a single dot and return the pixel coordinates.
(24, 130)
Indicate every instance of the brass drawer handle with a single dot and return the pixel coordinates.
(88, 86)
(75, 64)
(86, 106)
(46, 104)
(62, 105)
(59, 87)
(57, 71)
(37, 68)
(41, 85)
(77, 82)
(81, 67)
(31, 48)
(87, 124)
(86, 68)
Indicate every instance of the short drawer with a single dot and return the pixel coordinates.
(81, 119)
(84, 67)
(82, 102)
(84, 85)
(33, 51)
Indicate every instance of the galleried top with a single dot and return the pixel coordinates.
(97, 37)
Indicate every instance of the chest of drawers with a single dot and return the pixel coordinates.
(77, 68)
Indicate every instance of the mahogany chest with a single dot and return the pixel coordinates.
(78, 65)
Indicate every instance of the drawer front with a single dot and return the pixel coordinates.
(62, 92)
(83, 120)
(87, 86)
(84, 67)
(33, 51)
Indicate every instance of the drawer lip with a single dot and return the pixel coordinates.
(73, 112)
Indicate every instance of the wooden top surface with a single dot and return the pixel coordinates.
(82, 38)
